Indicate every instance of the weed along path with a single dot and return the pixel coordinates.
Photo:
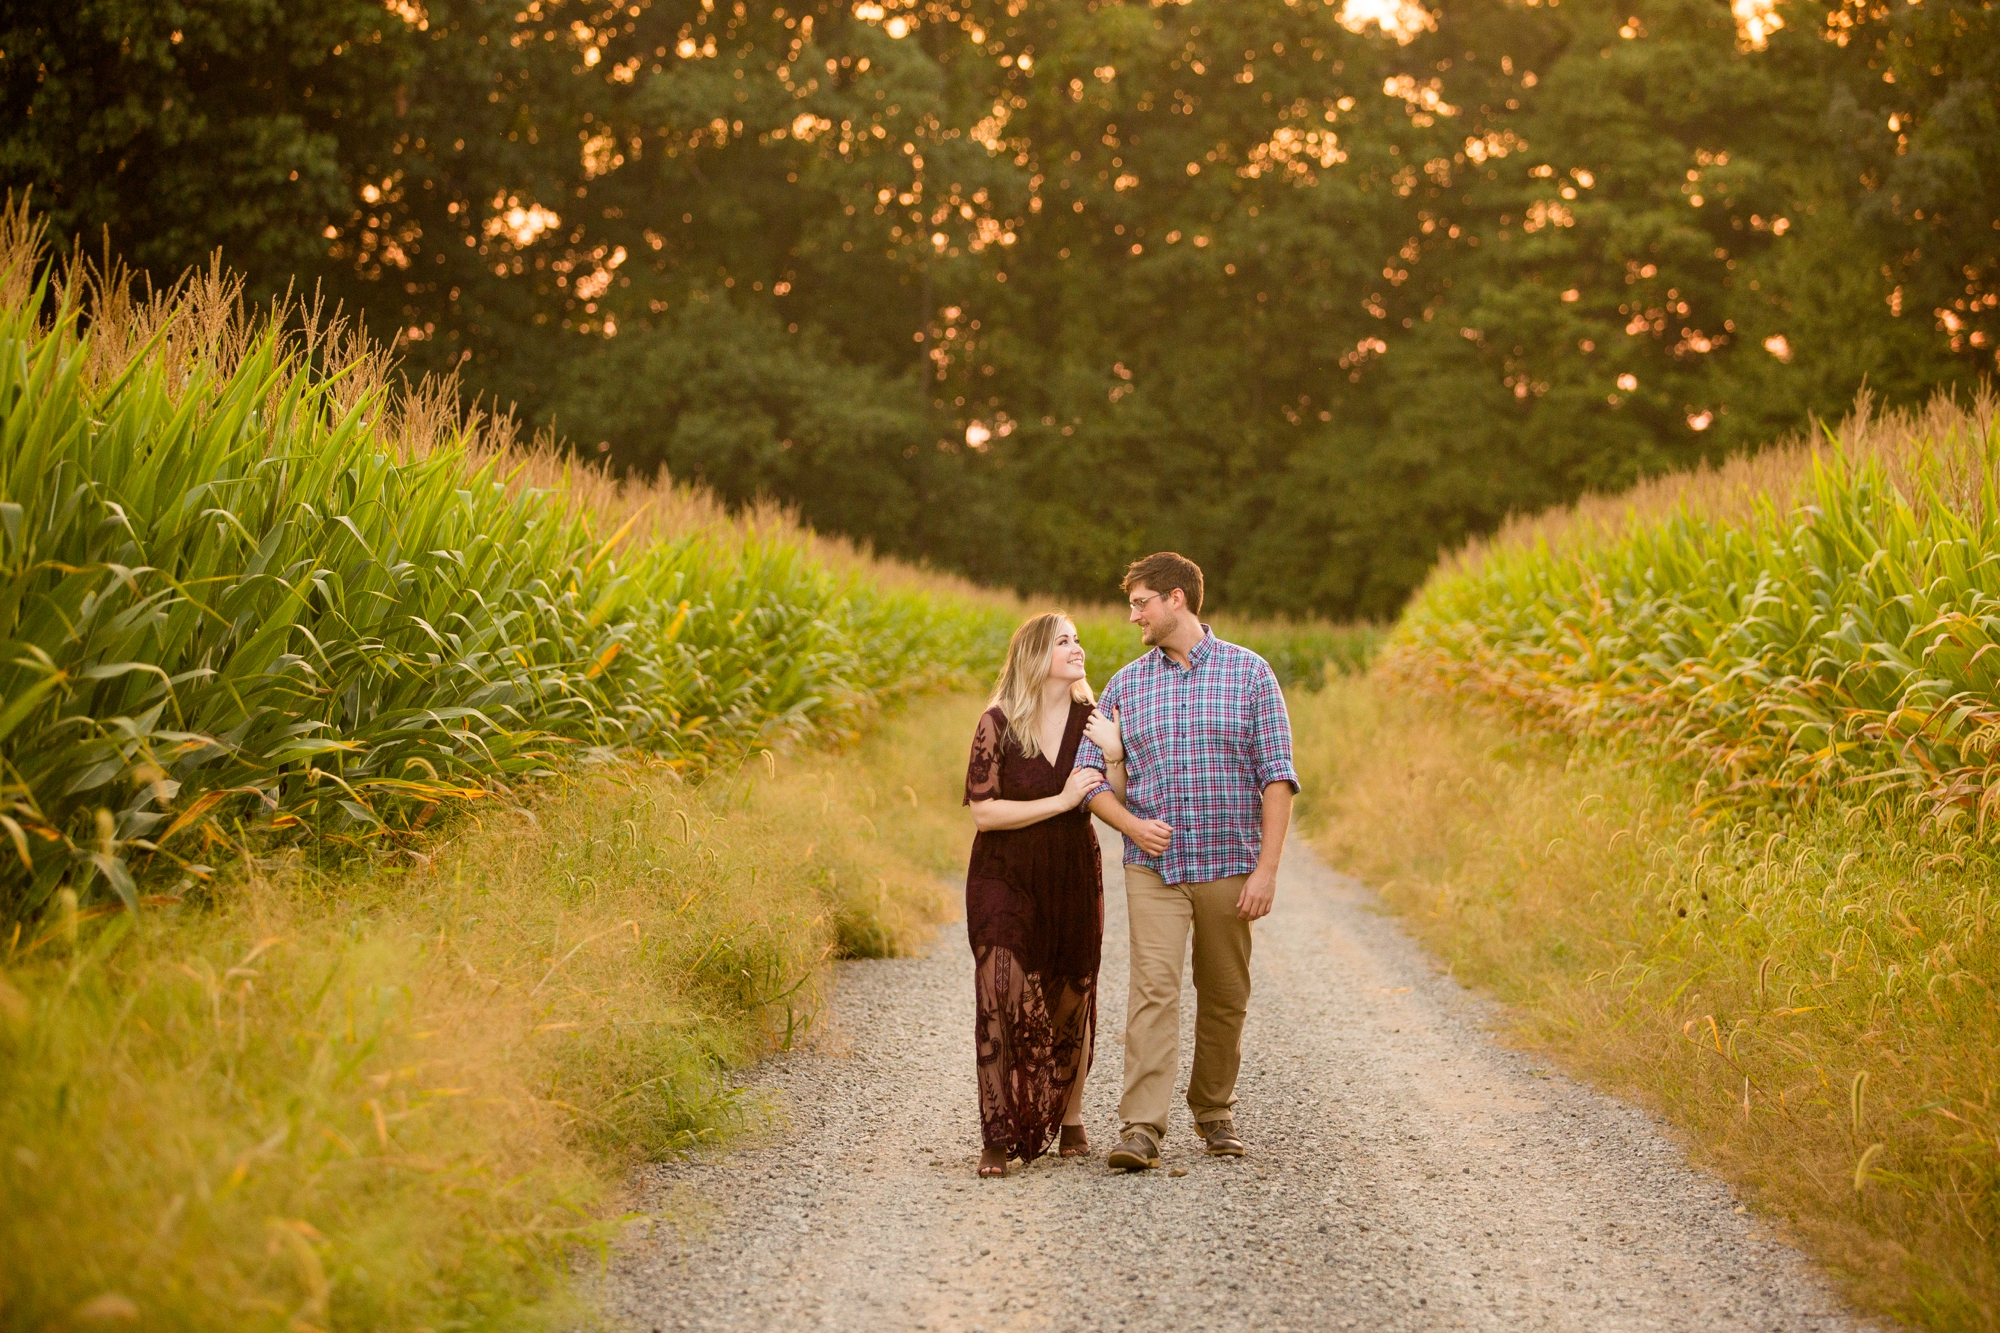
(1405, 1172)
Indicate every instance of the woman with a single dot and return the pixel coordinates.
(1034, 900)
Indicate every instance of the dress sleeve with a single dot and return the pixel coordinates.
(982, 773)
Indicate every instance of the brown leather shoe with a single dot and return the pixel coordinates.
(1136, 1152)
(1220, 1136)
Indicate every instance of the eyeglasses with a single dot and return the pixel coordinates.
(1139, 603)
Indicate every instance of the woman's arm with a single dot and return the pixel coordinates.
(1112, 777)
(1115, 777)
(1103, 731)
(996, 814)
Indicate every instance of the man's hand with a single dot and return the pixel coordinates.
(1151, 835)
(1258, 891)
(1262, 885)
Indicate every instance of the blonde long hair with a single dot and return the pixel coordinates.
(1018, 692)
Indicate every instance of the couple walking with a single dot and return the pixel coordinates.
(1189, 756)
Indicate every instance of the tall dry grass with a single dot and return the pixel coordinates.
(405, 1099)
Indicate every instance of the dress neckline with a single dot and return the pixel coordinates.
(1072, 737)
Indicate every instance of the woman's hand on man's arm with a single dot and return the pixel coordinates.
(1104, 732)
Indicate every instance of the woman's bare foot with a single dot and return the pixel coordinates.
(993, 1163)
(1074, 1142)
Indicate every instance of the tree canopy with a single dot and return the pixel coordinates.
(1029, 287)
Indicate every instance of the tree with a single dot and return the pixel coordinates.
(1028, 286)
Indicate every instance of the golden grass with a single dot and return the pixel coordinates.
(404, 1099)
(1808, 995)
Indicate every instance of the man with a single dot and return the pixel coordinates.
(1206, 782)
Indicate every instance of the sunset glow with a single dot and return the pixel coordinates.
(519, 224)
(1399, 19)
(1756, 20)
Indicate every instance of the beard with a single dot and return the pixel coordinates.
(1148, 636)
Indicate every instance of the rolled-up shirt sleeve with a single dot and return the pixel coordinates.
(1088, 755)
(1271, 733)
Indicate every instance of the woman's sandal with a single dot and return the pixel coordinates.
(1073, 1142)
(992, 1163)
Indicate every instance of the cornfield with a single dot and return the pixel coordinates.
(250, 588)
(1759, 892)
(1824, 618)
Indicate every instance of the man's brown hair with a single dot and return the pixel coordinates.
(1165, 571)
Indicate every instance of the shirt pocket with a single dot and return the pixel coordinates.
(1141, 728)
(1223, 729)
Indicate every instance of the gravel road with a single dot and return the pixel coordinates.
(1405, 1172)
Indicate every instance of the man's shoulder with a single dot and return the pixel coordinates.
(1236, 656)
(1125, 676)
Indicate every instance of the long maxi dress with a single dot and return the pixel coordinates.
(1034, 912)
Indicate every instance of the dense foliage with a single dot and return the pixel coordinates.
(1029, 286)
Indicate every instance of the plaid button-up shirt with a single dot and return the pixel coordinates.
(1201, 744)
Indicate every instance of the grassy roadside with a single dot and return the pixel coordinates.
(1807, 994)
(400, 1099)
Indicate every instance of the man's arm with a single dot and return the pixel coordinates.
(1271, 754)
(1151, 835)
(1262, 887)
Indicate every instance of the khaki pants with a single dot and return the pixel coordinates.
(1161, 914)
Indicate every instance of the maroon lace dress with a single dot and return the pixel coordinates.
(1034, 910)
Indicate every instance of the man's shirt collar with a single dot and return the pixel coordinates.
(1196, 655)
